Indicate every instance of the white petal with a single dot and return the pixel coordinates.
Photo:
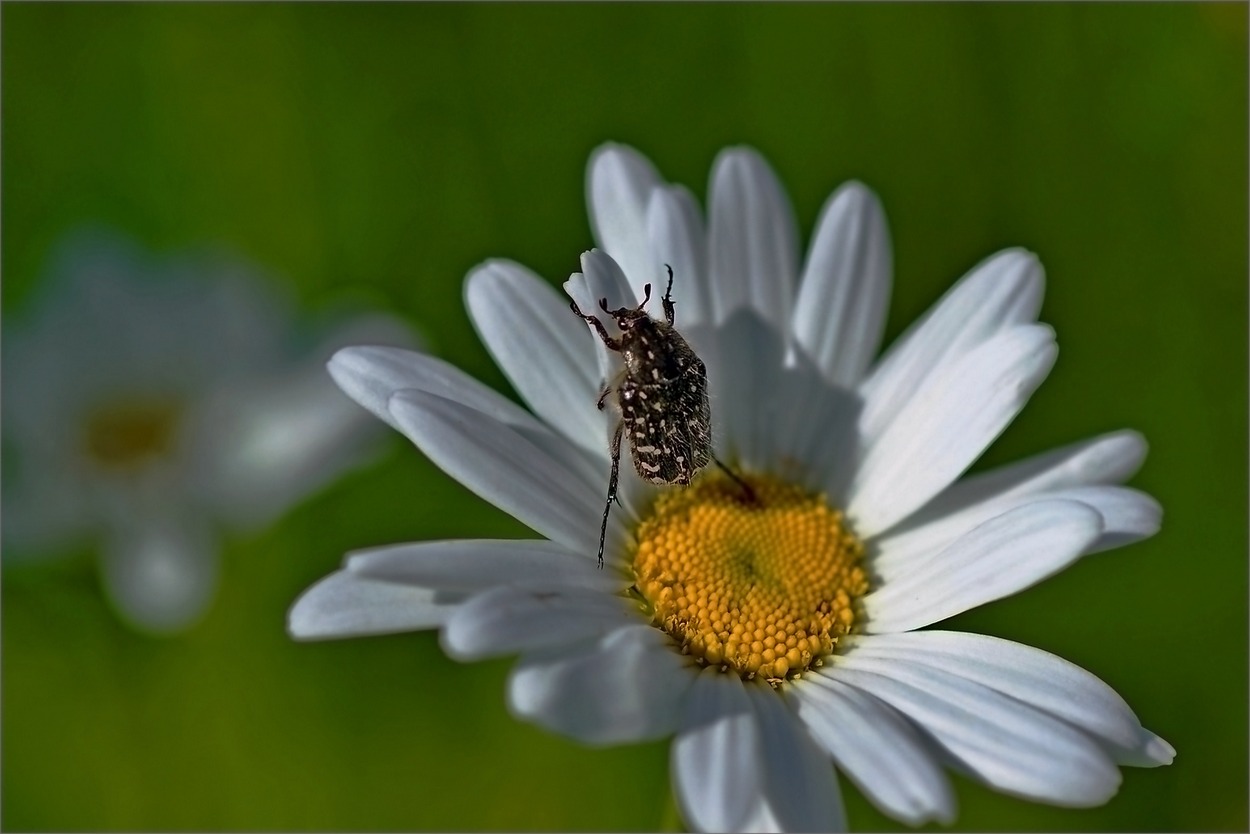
(1127, 516)
(1108, 459)
(812, 430)
(1007, 744)
(542, 347)
(474, 565)
(604, 279)
(802, 792)
(878, 749)
(627, 687)
(372, 375)
(508, 620)
(946, 424)
(718, 756)
(548, 494)
(843, 297)
(1037, 678)
(346, 605)
(742, 381)
(619, 183)
(1003, 291)
(753, 240)
(160, 570)
(679, 240)
(1000, 557)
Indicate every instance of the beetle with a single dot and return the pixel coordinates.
(661, 399)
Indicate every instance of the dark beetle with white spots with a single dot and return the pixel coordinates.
(662, 397)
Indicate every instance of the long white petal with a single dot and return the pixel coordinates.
(1127, 515)
(753, 239)
(478, 564)
(845, 290)
(878, 750)
(680, 240)
(507, 620)
(1007, 744)
(1003, 291)
(346, 605)
(946, 424)
(371, 375)
(802, 791)
(1001, 557)
(619, 182)
(717, 758)
(1108, 459)
(542, 347)
(627, 686)
(744, 379)
(1111, 458)
(1037, 678)
(548, 494)
(813, 430)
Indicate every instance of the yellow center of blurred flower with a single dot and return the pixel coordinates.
(760, 588)
(126, 435)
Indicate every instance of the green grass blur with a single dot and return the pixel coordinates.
(382, 150)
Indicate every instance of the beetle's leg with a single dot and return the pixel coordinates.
(603, 396)
(613, 344)
(669, 311)
(615, 446)
(746, 488)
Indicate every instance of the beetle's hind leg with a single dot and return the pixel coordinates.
(613, 479)
(737, 479)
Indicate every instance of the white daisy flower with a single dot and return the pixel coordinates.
(768, 636)
(147, 403)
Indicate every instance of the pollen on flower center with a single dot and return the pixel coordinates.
(759, 588)
(128, 434)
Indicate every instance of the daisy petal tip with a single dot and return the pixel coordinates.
(306, 620)
(1129, 447)
(348, 366)
(613, 153)
(341, 357)
(1157, 750)
(478, 278)
(451, 641)
(859, 197)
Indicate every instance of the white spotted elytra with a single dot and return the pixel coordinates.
(661, 398)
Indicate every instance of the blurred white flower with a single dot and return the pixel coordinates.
(149, 402)
(769, 637)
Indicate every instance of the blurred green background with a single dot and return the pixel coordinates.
(388, 148)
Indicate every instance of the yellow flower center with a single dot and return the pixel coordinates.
(764, 587)
(126, 435)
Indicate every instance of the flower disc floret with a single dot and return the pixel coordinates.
(762, 585)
